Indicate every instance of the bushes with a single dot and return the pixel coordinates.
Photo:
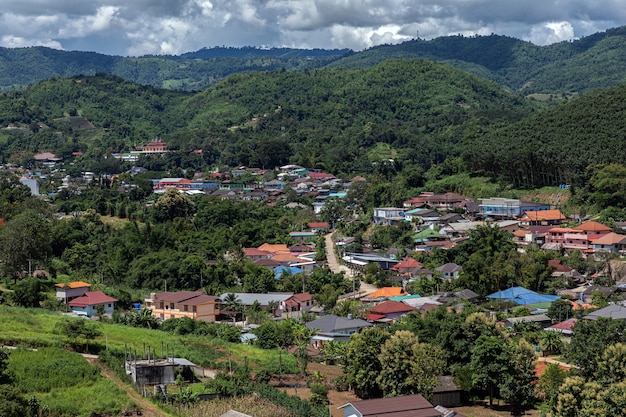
(185, 325)
(296, 405)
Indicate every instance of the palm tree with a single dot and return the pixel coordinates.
(550, 342)
(232, 305)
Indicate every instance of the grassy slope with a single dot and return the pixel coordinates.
(37, 328)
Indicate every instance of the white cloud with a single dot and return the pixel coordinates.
(18, 42)
(551, 32)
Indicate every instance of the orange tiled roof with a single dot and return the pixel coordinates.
(388, 292)
(274, 248)
(75, 284)
(592, 226)
(546, 215)
(407, 263)
(285, 257)
(255, 252)
(609, 239)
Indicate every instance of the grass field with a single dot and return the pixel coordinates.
(35, 328)
(38, 329)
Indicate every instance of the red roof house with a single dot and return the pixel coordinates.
(403, 406)
(89, 303)
(389, 310)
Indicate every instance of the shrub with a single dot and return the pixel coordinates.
(319, 394)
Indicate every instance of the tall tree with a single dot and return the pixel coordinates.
(490, 363)
(408, 366)
(25, 239)
(591, 337)
(28, 292)
(549, 383)
(518, 386)
(173, 204)
(362, 365)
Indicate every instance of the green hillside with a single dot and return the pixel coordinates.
(328, 117)
(556, 146)
(21, 67)
(596, 61)
(566, 68)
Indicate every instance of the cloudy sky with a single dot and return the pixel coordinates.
(138, 27)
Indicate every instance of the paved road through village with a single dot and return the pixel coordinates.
(336, 267)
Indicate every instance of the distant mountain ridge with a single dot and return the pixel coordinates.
(593, 62)
(567, 68)
(197, 70)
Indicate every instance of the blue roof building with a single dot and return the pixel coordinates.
(523, 296)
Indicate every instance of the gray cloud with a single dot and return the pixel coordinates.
(140, 27)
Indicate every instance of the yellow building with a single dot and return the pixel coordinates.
(193, 304)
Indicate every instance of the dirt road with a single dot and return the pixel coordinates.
(148, 409)
(336, 267)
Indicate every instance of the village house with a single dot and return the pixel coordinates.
(91, 303)
(402, 406)
(299, 302)
(449, 271)
(263, 300)
(507, 208)
(542, 218)
(70, 290)
(318, 226)
(611, 242)
(254, 254)
(335, 328)
(383, 294)
(578, 237)
(445, 201)
(415, 202)
(155, 146)
(388, 311)
(389, 215)
(193, 304)
(423, 216)
(361, 260)
(163, 184)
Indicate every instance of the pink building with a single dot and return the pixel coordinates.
(579, 237)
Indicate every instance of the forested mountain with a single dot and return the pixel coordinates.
(192, 71)
(399, 115)
(592, 62)
(403, 112)
(555, 146)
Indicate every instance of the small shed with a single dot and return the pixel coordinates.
(159, 371)
(447, 393)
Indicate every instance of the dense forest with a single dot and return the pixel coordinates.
(411, 112)
(567, 68)
(400, 116)
(192, 71)
(589, 63)
(555, 146)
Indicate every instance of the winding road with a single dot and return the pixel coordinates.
(335, 266)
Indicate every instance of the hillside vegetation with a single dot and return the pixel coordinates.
(589, 63)
(400, 116)
(327, 118)
(556, 146)
(192, 71)
(567, 68)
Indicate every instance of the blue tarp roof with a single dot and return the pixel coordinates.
(523, 296)
(289, 269)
